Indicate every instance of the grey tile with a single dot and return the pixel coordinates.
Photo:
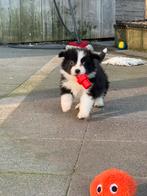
(79, 185)
(121, 107)
(15, 70)
(33, 185)
(43, 118)
(130, 127)
(38, 155)
(51, 82)
(97, 156)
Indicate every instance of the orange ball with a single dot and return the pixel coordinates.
(113, 182)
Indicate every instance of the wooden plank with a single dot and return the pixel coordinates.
(144, 39)
(130, 9)
(84, 18)
(108, 18)
(1, 24)
(37, 33)
(145, 9)
(134, 38)
(47, 16)
(26, 18)
(14, 21)
(5, 20)
(58, 31)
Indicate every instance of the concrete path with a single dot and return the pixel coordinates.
(44, 152)
(17, 65)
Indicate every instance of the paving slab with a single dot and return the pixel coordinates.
(50, 83)
(17, 65)
(129, 83)
(80, 185)
(38, 155)
(33, 185)
(97, 156)
(119, 73)
(123, 106)
(129, 127)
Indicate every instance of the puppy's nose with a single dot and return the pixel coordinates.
(77, 71)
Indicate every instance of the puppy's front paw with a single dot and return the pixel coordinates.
(99, 102)
(98, 105)
(82, 115)
(65, 107)
(66, 102)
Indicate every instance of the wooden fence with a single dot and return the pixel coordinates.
(37, 20)
(131, 9)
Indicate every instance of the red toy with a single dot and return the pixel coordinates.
(113, 182)
(81, 44)
(83, 80)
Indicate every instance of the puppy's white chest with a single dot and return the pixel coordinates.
(76, 88)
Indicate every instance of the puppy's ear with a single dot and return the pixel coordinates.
(62, 54)
(100, 57)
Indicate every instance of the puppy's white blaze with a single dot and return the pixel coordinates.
(80, 56)
(78, 65)
(105, 50)
(66, 102)
(86, 103)
(99, 102)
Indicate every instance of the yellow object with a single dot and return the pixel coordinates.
(121, 45)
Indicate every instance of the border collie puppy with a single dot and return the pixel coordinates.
(82, 61)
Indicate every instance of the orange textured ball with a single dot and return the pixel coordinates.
(113, 182)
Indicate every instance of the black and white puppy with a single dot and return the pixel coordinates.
(82, 61)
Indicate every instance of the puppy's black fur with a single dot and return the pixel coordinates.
(91, 62)
(75, 63)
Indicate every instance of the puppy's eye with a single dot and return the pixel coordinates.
(83, 60)
(71, 63)
(113, 188)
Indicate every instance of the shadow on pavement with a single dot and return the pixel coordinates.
(128, 84)
(122, 106)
